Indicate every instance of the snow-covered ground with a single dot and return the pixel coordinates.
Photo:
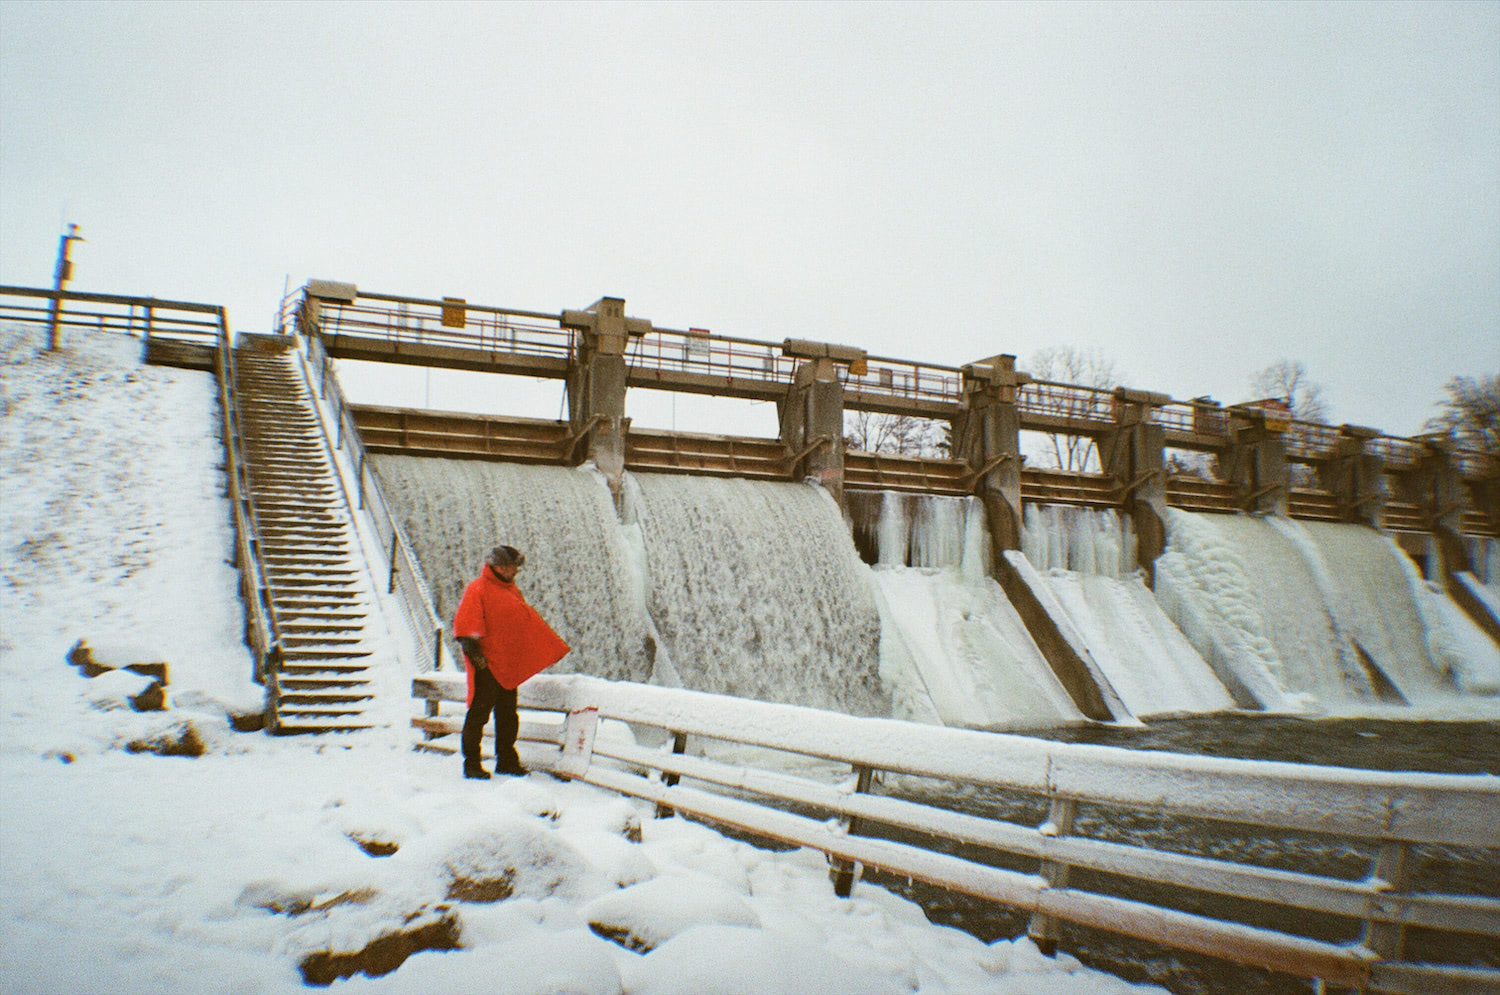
(125, 870)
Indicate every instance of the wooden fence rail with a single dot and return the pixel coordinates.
(1391, 812)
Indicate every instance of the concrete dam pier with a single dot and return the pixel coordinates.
(972, 591)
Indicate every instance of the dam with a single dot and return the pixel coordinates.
(1318, 570)
(1315, 572)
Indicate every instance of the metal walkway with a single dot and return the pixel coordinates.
(318, 590)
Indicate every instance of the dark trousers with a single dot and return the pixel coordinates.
(491, 699)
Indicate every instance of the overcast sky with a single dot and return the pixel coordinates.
(1193, 190)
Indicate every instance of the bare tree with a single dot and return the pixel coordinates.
(1470, 415)
(1069, 364)
(1286, 380)
(902, 435)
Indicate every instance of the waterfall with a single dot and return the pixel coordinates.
(1370, 593)
(1316, 616)
(757, 591)
(579, 572)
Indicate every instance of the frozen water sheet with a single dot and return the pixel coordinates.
(757, 591)
(578, 570)
(1322, 616)
(955, 651)
(1150, 663)
(1087, 558)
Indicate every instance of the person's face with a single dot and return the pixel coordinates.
(507, 574)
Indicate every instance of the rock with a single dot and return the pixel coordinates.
(247, 721)
(180, 740)
(428, 929)
(157, 670)
(153, 699)
(95, 662)
(115, 689)
(373, 846)
(82, 657)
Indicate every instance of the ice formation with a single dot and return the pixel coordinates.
(757, 591)
(1084, 540)
(952, 649)
(1088, 561)
(1317, 615)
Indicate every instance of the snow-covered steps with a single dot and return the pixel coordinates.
(318, 592)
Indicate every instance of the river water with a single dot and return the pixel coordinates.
(1441, 747)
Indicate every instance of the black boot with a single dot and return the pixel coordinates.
(475, 771)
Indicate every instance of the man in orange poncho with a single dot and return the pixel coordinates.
(504, 642)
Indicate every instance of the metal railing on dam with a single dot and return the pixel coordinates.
(1387, 815)
(425, 331)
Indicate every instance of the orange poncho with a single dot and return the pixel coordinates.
(514, 639)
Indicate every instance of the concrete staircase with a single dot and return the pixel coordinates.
(319, 590)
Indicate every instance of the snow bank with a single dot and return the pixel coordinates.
(112, 504)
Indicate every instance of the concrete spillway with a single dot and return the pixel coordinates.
(1087, 559)
(953, 650)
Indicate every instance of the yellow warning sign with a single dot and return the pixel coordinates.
(455, 312)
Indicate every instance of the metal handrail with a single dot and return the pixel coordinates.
(262, 625)
(145, 317)
(405, 578)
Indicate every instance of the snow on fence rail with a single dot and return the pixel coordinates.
(1392, 810)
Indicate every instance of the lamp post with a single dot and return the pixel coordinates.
(60, 277)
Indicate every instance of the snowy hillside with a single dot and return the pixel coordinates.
(263, 864)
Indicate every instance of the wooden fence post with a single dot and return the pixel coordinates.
(395, 548)
(1393, 868)
(1043, 928)
(679, 746)
(846, 872)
